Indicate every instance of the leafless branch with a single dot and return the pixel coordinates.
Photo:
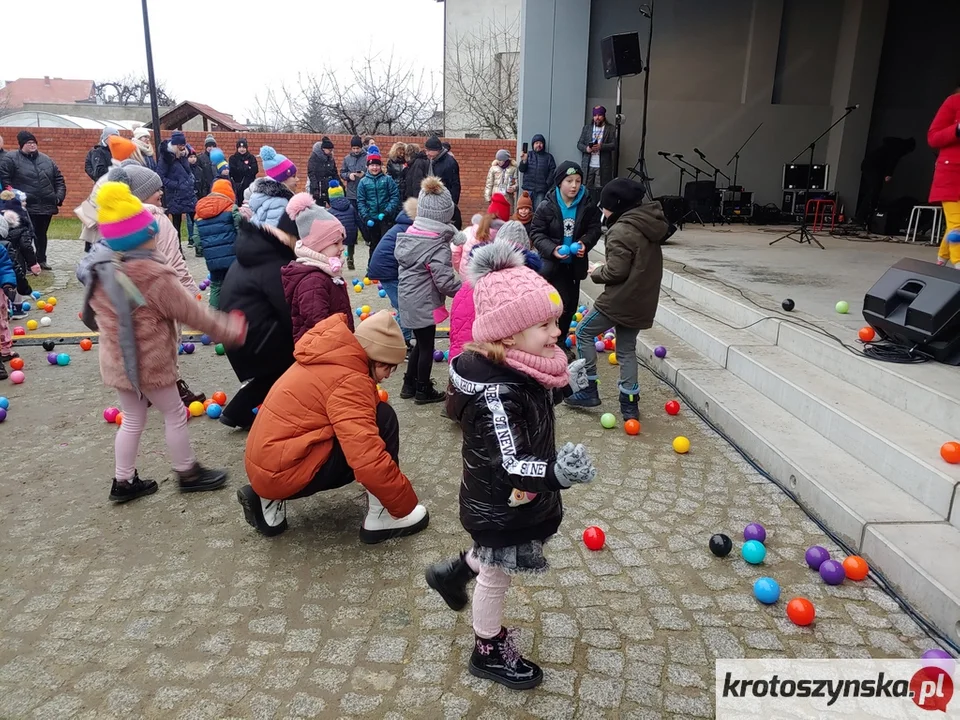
(130, 90)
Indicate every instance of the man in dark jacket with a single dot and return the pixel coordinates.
(38, 176)
(597, 143)
(206, 165)
(631, 289)
(566, 217)
(321, 169)
(243, 169)
(416, 172)
(98, 157)
(444, 166)
(354, 168)
(537, 168)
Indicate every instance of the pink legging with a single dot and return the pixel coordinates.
(6, 339)
(488, 597)
(127, 445)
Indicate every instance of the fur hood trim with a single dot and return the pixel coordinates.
(270, 188)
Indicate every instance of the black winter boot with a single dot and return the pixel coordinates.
(200, 478)
(3, 370)
(427, 394)
(498, 659)
(409, 388)
(450, 578)
(187, 395)
(122, 492)
(630, 406)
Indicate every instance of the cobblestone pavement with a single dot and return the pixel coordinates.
(172, 607)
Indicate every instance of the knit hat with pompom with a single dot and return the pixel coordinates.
(8, 219)
(224, 187)
(434, 201)
(509, 296)
(124, 222)
(278, 167)
(120, 147)
(143, 182)
(335, 191)
(218, 160)
(316, 228)
(499, 206)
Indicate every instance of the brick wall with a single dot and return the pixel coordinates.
(68, 147)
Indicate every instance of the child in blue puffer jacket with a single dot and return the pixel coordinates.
(215, 233)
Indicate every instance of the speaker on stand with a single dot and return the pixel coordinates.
(621, 56)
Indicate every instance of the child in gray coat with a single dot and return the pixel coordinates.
(426, 280)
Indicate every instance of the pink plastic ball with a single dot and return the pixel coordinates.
(17, 377)
(110, 414)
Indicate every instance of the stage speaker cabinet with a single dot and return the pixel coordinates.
(621, 55)
(917, 304)
(795, 201)
(795, 177)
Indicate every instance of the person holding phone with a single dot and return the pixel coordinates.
(597, 143)
(537, 169)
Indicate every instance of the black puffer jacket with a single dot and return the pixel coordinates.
(508, 447)
(546, 232)
(253, 286)
(321, 169)
(538, 169)
(98, 162)
(38, 176)
(445, 167)
(416, 172)
(243, 171)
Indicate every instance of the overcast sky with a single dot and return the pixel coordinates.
(219, 53)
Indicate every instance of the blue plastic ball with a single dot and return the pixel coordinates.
(26, 306)
(63, 359)
(582, 308)
(575, 248)
(370, 223)
(563, 251)
(382, 293)
(573, 325)
(446, 355)
(569, 342)
(36, 294)
(4, 403)
(356, 281)
(766, 590)
(753, 552)
(359, 312)
(214, 410)
(180, 349)
(205, 340)
(256, 410)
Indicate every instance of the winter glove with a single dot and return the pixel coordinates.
(369, 223)
(577, 373)
(574, 466)
(380, 216)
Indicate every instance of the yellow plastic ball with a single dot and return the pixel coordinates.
(41, 304)
(32, 325)
(358, 288)
(612, 358)
(365, 309)
(196, 409)
(51, 300)
(681, 445)
(367, 281)
(578, 316)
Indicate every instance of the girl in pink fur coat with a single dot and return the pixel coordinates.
(136, 300)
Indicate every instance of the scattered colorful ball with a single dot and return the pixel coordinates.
(52, 358)
(755, 531)
(3, 415)
(358, 288)
(214, 410)
(220, 398)
(867, 334)
(16, 363)
(367, 281)
(720, 545)
(801, 611)
(188, 348)
(86, 344)
(25, 306)
(766, 590)
(950, 451)
(660, 351)
(205, 340)
(45, 321)
(63, 359)
(383, 395)
(196, 408)
(843, 307)
(17, 377)
(41, 304)
(382, 293)
(4, 403)
(681, 445)
(119, 419)
(753, 552)
(220, 349)
(816, 556)
(599, 346)
(632, 427)
(438, 355)
(594, 538)
(608, 420)
(35, 294)
(48, 308)
(856, 568)
(612, 359)
(18, 330)
(32, 324)
(788, 304)
(832, 572)
(110, 414)
(51, 300)
(672, 407)
(48, 345)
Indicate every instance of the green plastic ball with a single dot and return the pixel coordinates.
(843, 307)
(220, 349)
(608, 420)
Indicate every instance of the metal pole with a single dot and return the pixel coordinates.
(151, 80)
(646, 92)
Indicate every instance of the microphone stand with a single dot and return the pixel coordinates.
(805, 236)
(683, 171)
(696, 187)
(736, 155)
(716, 173)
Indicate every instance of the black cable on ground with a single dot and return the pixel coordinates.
(878, 577)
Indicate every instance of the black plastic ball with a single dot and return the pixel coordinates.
(720, 545)
(48, 345)
(788, 304)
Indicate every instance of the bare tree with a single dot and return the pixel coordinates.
(483, 72)
(130, 90)
(379, 97)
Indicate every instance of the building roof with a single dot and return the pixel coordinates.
(179, 115)
(45, 89)
(37, 118)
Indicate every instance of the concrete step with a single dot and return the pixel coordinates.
(898, 446)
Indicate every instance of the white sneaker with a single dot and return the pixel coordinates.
(380, 525)
(269, 517)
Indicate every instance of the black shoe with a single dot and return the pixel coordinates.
(427, 394)
(187, 395)
(200, 478)
(3, 372)
(350, 265)
(630, 406)
(9, 356)
(449, 578)
(498, 659)
(45, 266)
(231, 423)
(409, 389)
(269, 517)
(122, 492)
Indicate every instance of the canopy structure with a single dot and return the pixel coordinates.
(178, 116)
(31, 118)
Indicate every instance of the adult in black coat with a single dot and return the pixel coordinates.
(243, 169)
(37, 175)
(416, 172)
(321, 169)
(98, 160)
(253, 286)
(444, 166)
(554, 226)
(206, 165)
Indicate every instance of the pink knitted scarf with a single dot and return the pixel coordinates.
(549, 372)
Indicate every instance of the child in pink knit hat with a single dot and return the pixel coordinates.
(504, 385)
(313, 284)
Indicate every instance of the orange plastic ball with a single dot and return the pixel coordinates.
(207, 402)
(801, 611)
(364, 316)
(632, 427)
(119, 419)
(950, 451)
(48, 308)
(384, 395)
(16, 364)
(220, 398)
(199, 296)
(856, 567)
(86, 344)
(867, 334)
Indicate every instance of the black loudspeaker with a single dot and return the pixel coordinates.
(621, 55)
(917, 304)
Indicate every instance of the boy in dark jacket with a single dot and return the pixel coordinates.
(564, 230)
(321, 169)
(378, 200)
(215, 233)
(631, 279)
(344, 211)
(383, 262)
(538, 168)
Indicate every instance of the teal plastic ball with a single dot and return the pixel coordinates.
(753, 552)
(63, 359)
(766, 590)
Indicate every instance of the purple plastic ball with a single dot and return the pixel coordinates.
(660, 351)
(3, 414)
(755, 531)
(832, 572)
(438, 355)
(52, 358)
(599, 346)
(188, 348)
(816, 556)
(935, 653)
(941, 659)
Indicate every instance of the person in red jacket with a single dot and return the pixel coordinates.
(944, 136)
(313, 284)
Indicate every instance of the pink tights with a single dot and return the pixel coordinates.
(167, 401)
(488, 598)
(6, 339)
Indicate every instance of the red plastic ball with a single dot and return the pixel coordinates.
(594, 538)
(383, 395)
(867, 334)
(950, 451)
(48, 308)
(672, 407)
(632, 427)
(16, 364)
(220, 398)
(608, 345)
(856, 567)
(86, 344)
(801, 611)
